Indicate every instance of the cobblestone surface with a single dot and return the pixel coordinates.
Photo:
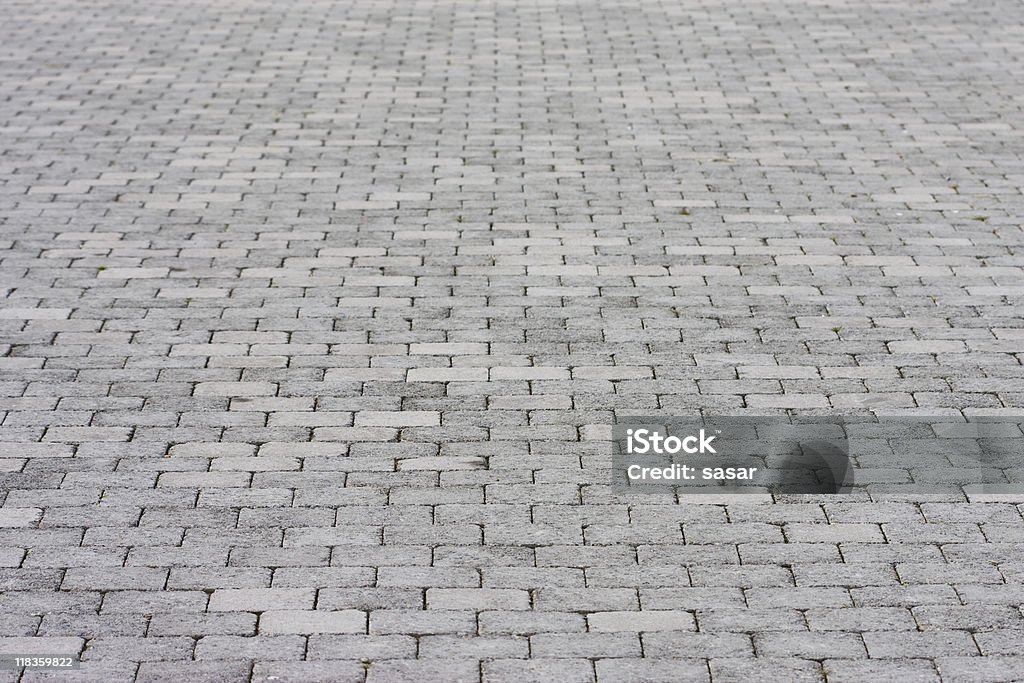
(314, 316)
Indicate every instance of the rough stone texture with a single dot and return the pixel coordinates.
(326, 306)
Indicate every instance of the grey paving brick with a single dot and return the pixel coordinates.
(114, 578)
(858, 619)
(260, 599)
(86, 625)
(193, 624)
(586, 599)
(910, 670)
(413, 671)
(530, 622)
(861, 574)
(312, 621)
(220, 577)
(19, 517)
(284, 647)
(30, 645)
(649, 620)
(929, 644)
(335, 671)
(486, 647)
(798, 598)
(477, 598)
(1000, 642)
(968, 617)
(834, 533)
(979, 669)
(673, 644)
(370, 598)
(690, 598)
(383, 622)
(585, 645)
(123, 648)
(809, 645)
(748, 620)
(571, 670)
(652, 670)
(361, 647)
(775, 668)
(990, 595)
(905, 596)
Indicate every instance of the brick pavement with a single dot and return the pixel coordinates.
(315, 314)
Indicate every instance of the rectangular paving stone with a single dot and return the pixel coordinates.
(914, 644)
(361, 647)
(342, 671)
(260, 599)
(571, 670)
(404, 621)
(312, 621)
(585, 645)
(409, 418)
(19, 516)
(810, 645)
(648, 620)
(284, 647)
(477, 598)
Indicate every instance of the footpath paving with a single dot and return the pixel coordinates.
(314, 317)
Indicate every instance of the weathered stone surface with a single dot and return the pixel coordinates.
(314, 316)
